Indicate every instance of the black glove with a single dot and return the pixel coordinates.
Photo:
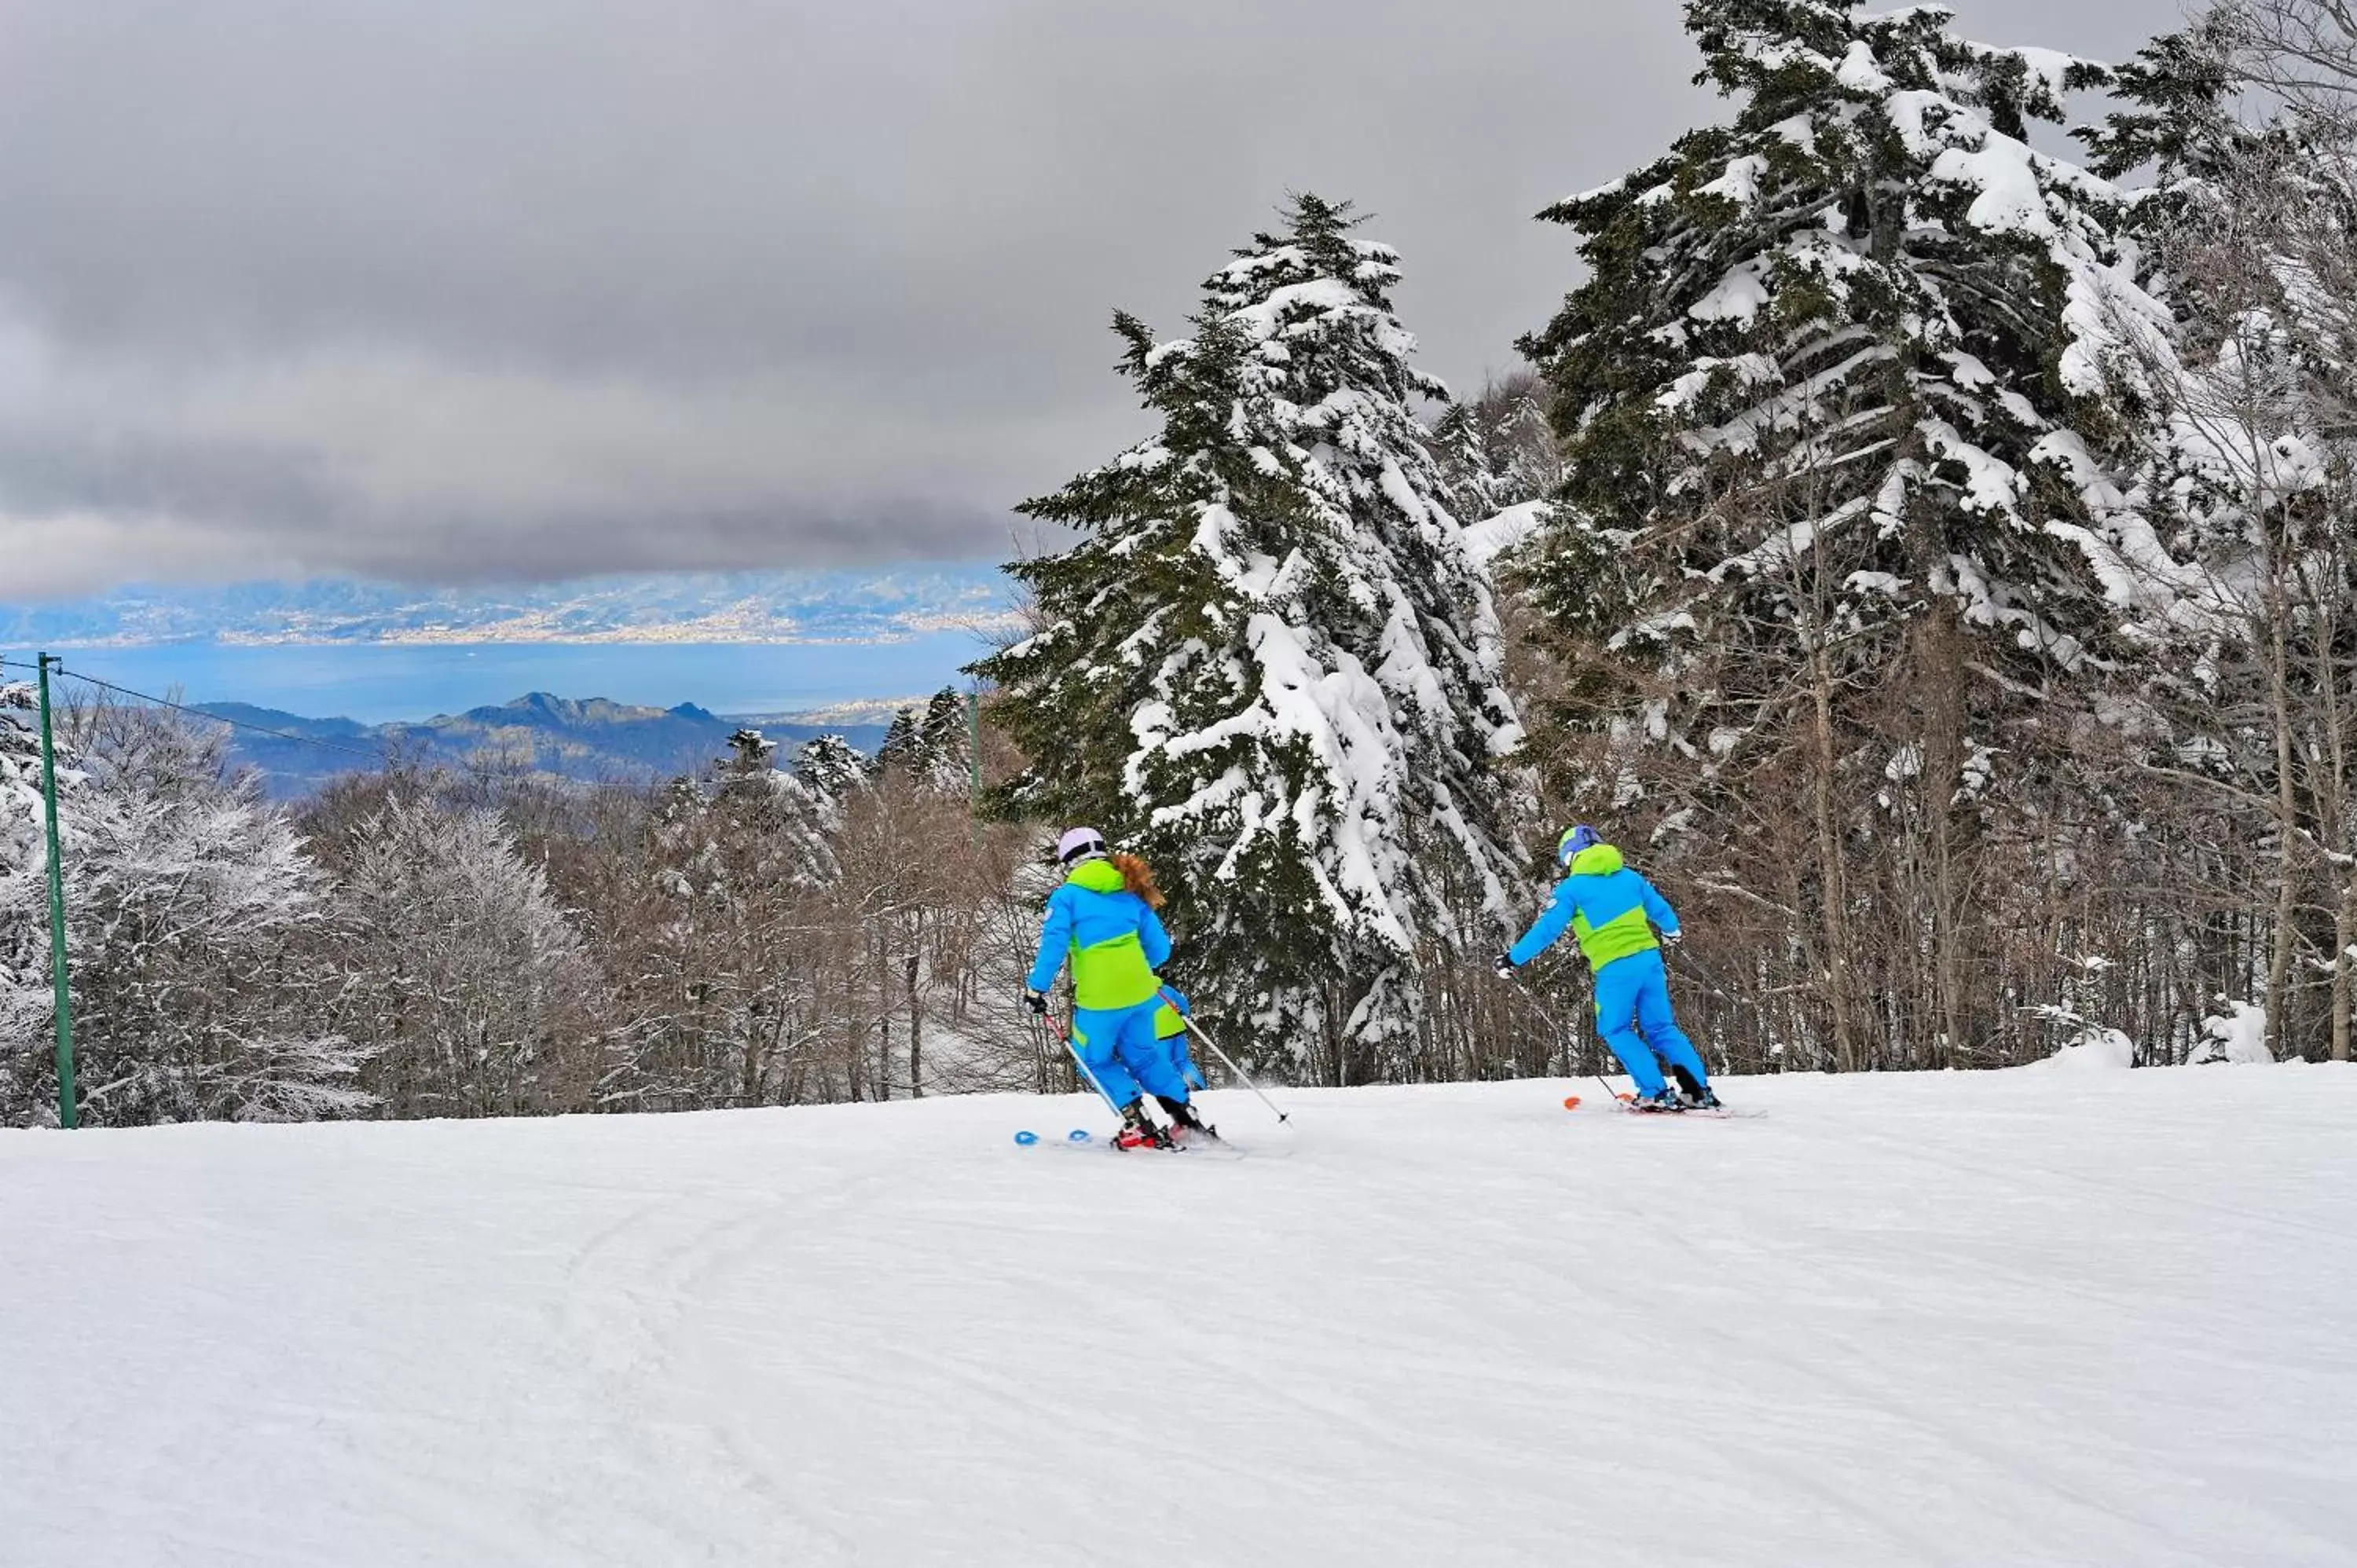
(1671, 938)
(1503, 963)
(1036, 1001)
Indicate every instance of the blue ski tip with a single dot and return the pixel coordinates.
(1027, 1139)
(1077, 1135)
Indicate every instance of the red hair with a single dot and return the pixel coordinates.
(1138, 878)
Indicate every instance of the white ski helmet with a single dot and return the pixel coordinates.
(1081, 844)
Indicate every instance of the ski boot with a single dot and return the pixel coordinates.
(1660, 1101)
(1137, 1132)
(1184, 1119)
(1697, 1095)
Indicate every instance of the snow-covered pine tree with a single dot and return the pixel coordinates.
(945, 744)
(776, 818)
(1268, 664)
(750, 765)
(1496, 450)
(27, 1086)
(1835, 405)
(2171, 112)
(929, 747)
(1460, 447)
(903, 751)
(830, 767)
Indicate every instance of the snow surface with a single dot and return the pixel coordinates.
(2008, 1319)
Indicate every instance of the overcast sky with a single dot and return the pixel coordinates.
(443, 290)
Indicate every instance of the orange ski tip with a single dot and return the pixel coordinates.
(1624, 1098)
(1571, 1103)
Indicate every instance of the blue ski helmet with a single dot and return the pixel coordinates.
(1574, 840)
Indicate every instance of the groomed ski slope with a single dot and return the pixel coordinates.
(2012, 1319)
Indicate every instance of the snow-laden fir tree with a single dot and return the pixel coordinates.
(782, 813)
(1269, 666)
(830, 767)
(25, 995)
(903, 748)
(929, 747)
(948, 747)
(748, 768)
(1843, 509)
(1498, 450)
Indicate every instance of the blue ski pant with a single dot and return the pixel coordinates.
(1179, 1062)
(1633, 1013)
(1119, 1047)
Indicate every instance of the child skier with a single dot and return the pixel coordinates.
(1170, 1034)
(1613, 912)
(1102, 917)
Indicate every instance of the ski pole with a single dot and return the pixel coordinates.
(1522, 993)
(1519, 989)
(1692, 968)
(1223, 1056)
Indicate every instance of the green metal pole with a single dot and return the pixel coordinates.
(973, 763)
(57, 907)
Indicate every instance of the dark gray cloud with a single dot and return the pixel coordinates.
(442, 289)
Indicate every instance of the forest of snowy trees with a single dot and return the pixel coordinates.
(1924, 539)
(1951, 569)
(404, 944)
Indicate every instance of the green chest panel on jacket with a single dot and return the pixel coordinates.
(1112, 974)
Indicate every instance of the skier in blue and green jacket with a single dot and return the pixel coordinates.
(1170, 1034)
(1614, 913)
(1102, 918)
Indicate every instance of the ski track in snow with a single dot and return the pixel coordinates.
(2006, 1319)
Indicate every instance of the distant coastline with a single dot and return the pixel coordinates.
(412, 682)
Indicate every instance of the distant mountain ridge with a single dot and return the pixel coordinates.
(591, 740)
(699, 608)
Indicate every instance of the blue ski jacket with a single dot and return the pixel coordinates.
(1114, 938)
(1611, 909)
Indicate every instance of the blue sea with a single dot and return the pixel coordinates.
(380, 682)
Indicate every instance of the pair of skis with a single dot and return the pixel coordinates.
(1204, 1142)
(1707, 1112)
(1081, 1138)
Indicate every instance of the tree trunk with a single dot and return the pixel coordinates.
(2287, 818)
(2330, 787)
(2344, 934)
(1944, 744)
(1833, 876)
(916, 1031)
